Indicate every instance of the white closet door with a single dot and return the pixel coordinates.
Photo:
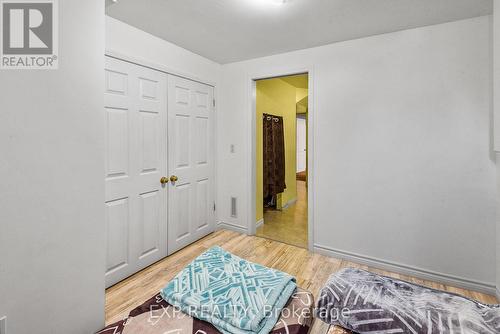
(136, 220)
(190, 159)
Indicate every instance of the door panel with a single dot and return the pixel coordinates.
(117, 214)
(136, 203)
(117, 139)
(190, 145)
(202, 199)
(182, 138)
(181, 232)
(150, 145)
(150, 211)
(201, 127)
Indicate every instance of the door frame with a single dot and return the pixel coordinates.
(251, 168)
(169, 71)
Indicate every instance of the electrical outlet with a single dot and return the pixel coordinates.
(3, 325)
(231, 149)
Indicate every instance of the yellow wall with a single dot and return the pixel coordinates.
(275, 96)
(301, 93)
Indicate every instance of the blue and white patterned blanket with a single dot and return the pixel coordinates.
(235, 295)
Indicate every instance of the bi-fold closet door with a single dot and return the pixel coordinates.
(159, 165)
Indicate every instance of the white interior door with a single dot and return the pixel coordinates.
(301, 144)
(191, 162)
(135, 112)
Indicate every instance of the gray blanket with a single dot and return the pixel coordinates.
(364, 302)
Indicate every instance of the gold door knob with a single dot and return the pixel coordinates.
(164, 180)
(173, 178)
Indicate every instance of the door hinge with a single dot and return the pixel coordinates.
(213, 102)
(214, 206)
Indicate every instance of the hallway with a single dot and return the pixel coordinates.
(289, 225)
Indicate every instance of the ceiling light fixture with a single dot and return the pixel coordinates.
(278, 2)
(268, 2)
(110, 2)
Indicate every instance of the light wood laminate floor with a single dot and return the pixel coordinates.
(290, 224)
(310, 269)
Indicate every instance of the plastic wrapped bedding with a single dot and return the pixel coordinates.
(364, 302)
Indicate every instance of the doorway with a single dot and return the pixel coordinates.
(281, 108)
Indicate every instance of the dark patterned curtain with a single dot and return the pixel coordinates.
(274, 156)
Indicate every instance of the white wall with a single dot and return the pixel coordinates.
(403, 168)
(498, 229)
(51, 189)
(496, 72)
(132, 42)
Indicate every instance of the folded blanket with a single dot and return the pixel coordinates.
(235, 295)
(364, 302)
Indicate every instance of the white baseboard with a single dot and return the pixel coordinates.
(259, 223)
(498, 295)
(231, 227)
(446, 279)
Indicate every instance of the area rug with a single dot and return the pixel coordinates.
(156, 316)
(364, 302)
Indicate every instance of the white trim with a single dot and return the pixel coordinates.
(251, 168)
(259, 223)
(251, 121)
(214, 156)
(232, 227)
(157, 67)
(399, 268)
(497, 294)
(3, 325)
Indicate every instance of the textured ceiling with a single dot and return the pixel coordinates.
(233, 30)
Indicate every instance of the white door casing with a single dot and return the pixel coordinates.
(136, 202)
(191, 160)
